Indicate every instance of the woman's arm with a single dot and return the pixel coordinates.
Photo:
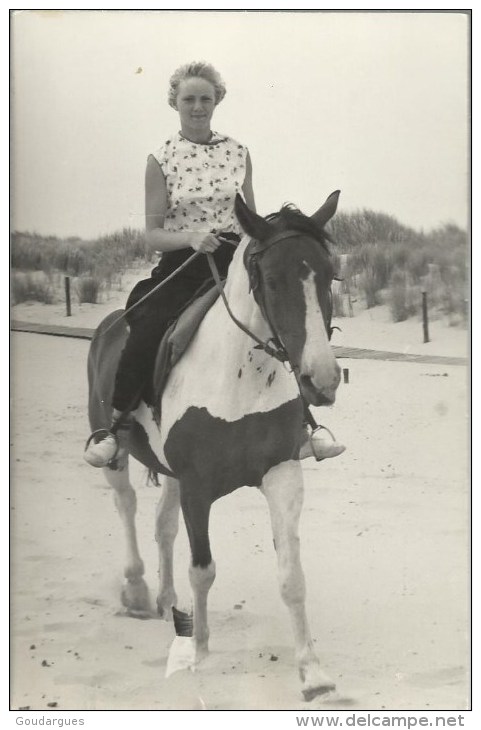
(247, 188)
(155, 210)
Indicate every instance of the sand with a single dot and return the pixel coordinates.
(384, 541)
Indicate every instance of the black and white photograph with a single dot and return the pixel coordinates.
(240, 322)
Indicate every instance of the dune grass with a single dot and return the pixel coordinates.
(388, 262)
(32, 286)
(96, 266)
(88, 289)
(104, 256)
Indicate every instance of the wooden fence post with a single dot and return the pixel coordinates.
(67, 296)
(425, 317)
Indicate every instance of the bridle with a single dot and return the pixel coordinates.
(254, 251)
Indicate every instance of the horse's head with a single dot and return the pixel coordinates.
(291, 271)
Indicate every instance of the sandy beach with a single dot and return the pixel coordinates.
(384, 538)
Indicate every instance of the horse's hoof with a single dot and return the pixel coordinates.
(201, 653)
(134, 613)
(164, 612)
(135, 598)
(165, 605)
(310, 692)
(315, 682)
(181, 655)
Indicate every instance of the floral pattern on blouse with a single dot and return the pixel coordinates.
(202, 182)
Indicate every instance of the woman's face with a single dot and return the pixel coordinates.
(195, 104)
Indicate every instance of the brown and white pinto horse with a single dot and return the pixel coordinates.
(232, 415)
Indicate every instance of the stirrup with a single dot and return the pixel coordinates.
(103, 456)
(322, 449)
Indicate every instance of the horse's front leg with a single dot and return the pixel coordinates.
(196, 504)
(135, 594)
(283, 488)
(166, 528)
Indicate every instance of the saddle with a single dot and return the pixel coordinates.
(175, 342)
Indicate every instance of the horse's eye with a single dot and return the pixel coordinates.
(271, 284)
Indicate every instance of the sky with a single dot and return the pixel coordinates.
(373, 104)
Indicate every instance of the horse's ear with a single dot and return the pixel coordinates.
(326, 211)
(252, 224)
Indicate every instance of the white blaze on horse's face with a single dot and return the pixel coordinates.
(319, 371)
(297, 277)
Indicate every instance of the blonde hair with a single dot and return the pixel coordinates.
(196, 69)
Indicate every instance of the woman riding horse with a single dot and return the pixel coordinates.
(190, 188)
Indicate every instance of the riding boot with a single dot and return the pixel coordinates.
(104, 446)
(320, 443)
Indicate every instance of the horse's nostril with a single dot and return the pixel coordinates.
(306, 381)
(337, 378)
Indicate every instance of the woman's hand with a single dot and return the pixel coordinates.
(204, 242)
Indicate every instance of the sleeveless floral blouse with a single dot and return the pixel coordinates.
(202, 182)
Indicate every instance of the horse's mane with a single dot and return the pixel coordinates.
(291, 217)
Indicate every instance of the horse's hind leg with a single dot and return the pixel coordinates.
(135, 594)
(166, 528)
(283, 489)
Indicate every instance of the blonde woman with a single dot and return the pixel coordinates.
(191, 183)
